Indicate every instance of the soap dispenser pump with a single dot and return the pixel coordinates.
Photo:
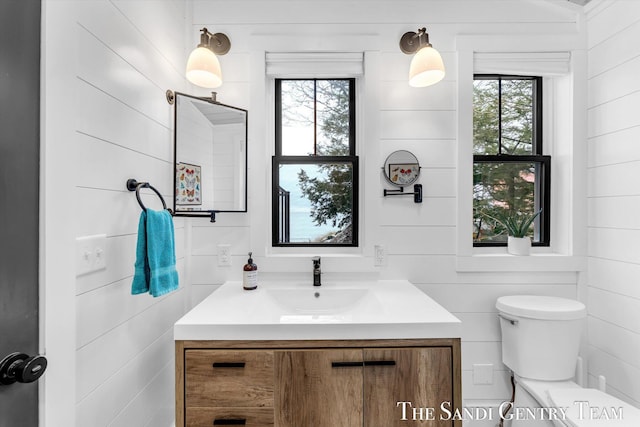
(250, 275)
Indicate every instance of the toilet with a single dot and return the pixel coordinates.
(540, 345)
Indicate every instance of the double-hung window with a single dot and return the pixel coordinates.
(511, 176)
(315, 167)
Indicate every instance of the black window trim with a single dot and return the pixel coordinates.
(543, 191)
(537, 107)
(279, 159)
(543, 185)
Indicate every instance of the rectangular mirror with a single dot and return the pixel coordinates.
(210, 154)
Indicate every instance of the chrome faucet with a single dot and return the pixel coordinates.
(316, 271)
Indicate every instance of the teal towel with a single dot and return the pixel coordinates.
(155, 267)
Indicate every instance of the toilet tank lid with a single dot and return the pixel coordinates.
(578, 402)
(541, 307)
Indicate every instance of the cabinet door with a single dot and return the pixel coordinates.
(318, 388)
(233, 378)
(421, 376)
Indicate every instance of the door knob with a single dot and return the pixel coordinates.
(19, 367)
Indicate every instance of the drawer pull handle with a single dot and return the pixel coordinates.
(228, 364)
(230, 422)
(379, 363)
(365, 363)
(345, 364)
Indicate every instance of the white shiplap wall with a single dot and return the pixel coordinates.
(113, 60)
(420, 240)
(614, 197)
(107, 65)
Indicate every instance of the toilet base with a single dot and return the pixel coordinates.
(520, 415)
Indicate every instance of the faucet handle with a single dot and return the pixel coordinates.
(316, 271)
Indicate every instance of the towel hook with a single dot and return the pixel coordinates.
(134, 185)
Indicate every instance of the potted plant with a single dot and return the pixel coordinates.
(517, 226)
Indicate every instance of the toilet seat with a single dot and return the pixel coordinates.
(538, 389)
(607, 410)
(565, 394)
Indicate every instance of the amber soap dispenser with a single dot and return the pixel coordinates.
(250, 275)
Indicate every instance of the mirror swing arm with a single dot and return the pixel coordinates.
(171, 97)
(417, 193)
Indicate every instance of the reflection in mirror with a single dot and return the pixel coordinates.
(401, 168)
(210, 157)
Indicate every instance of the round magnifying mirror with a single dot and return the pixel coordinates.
(401, 168)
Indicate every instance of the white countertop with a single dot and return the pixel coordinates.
(289, 310)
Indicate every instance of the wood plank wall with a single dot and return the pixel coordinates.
(614, 197)
(126, 55)
(420, 240)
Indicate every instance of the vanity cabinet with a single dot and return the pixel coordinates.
(228, 387)
(346, 383)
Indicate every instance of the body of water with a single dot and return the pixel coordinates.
(303, 229)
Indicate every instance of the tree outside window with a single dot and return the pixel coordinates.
(315, 170)
(511, 176)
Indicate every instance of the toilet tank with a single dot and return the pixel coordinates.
(541, 335)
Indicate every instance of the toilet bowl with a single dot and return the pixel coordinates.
(534, 405)
(540, 345)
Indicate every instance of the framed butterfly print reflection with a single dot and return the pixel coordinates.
(403, 173)
(188, 184)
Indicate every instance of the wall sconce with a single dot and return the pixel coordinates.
(203, 67)
(426, 66)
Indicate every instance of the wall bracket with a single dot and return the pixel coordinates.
(417, 193)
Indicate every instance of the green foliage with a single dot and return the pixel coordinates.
(515, 109)
(500, 187)
(330, 196)
(331, 192)
(516, 224)
(328, 104)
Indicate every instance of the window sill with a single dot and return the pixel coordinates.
(503, 262)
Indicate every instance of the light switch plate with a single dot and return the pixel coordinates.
(224, 255)
(91, 254)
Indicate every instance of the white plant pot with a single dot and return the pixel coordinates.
(519, 245)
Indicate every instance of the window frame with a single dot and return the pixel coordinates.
(279, 159)
(543, 175)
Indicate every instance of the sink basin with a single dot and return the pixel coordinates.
(339, 309)
(317, 300)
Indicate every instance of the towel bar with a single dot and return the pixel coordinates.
(134, 185)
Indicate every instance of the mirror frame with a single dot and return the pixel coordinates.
(210, 213)
(386, 164)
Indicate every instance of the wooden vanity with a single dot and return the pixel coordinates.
(241, 362)
(345, 383)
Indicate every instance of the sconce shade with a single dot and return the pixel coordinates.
(426, 67)
(203, 68)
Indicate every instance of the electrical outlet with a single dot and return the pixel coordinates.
(224, 255)
(379, 255)
(91, 254)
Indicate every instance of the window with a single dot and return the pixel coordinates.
(511, 176)
(315, 169)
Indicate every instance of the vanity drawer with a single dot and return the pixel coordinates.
(232, 378)
(248, 417)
